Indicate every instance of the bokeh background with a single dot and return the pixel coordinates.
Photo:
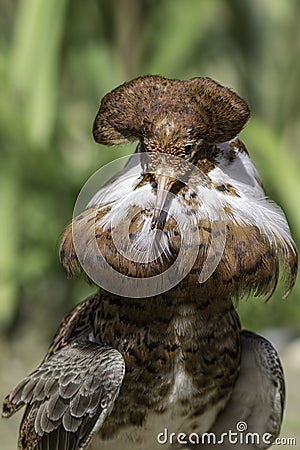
(57, 59)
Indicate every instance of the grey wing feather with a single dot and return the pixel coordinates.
(68, 397)
(258, 397)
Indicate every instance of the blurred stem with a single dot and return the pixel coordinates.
(9, 233)
(34, 64)
(128, 37)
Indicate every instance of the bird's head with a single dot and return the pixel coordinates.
(183, 119)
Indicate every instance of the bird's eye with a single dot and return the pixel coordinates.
(188, 148)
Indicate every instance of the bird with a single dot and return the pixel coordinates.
(173, 241)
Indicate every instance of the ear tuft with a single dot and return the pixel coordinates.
(222, 113)
(120, 116)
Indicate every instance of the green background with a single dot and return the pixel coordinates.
(57, 59)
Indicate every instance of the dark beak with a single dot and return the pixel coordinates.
(164, 184)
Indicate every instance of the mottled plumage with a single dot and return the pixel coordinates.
(191, 194)
(258, 398)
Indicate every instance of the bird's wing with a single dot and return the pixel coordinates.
(68, 397)
(257, 402)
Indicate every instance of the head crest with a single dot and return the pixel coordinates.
(212, 112)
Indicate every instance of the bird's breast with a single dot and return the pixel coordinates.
(180, 367)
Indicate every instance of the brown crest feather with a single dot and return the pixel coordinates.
(204, 108)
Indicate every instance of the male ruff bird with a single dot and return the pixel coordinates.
(158, 364)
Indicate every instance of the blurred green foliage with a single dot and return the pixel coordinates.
(59, 57)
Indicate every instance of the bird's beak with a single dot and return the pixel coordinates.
(164, 184)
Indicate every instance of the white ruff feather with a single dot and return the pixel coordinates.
(251, 207)
(127, 201)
